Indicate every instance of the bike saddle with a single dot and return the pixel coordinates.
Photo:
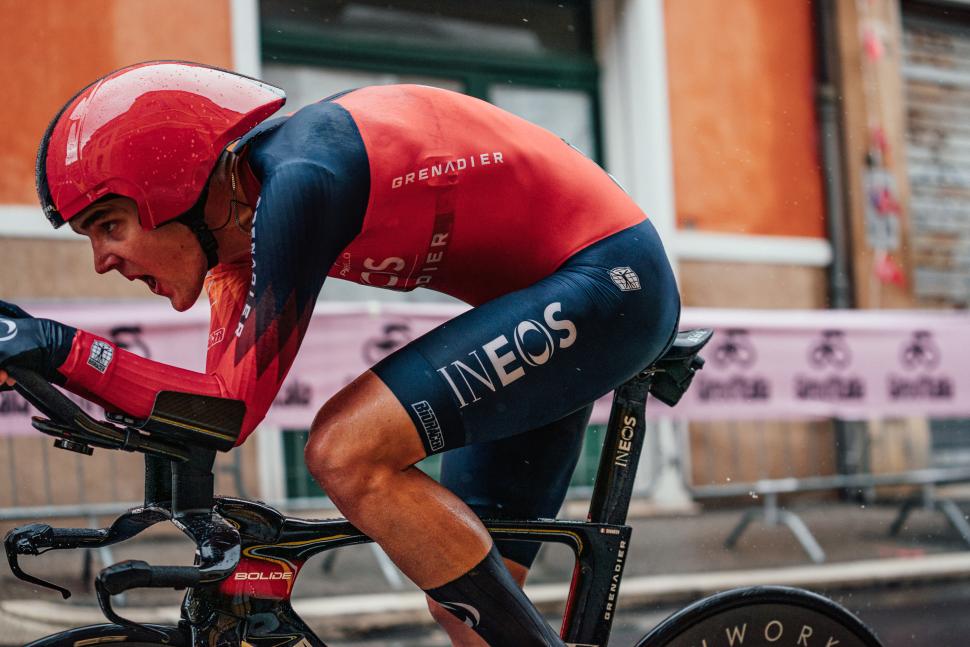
(687, 344)
(673, 372)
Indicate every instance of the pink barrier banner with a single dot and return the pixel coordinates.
(849, 364)
(760, 364)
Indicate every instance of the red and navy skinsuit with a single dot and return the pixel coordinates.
(408, 186)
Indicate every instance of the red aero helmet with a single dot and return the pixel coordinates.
(151, 132)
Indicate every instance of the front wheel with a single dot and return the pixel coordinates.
(113, 635)
(762, 615)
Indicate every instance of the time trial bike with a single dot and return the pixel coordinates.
(249, 555)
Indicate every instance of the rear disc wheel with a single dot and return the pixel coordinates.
(762, 616)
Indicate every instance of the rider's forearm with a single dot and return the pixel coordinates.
(98, 370)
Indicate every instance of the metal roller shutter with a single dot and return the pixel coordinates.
(936, 74)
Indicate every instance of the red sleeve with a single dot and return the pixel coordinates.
(260, 309)
(117, 379)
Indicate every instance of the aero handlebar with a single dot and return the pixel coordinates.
(179, 440)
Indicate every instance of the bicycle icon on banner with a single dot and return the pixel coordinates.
(920, 352)
(832, 350)
(736, 349)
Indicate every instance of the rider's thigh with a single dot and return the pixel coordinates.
(533, 356)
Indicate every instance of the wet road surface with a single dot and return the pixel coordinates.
(918, 616)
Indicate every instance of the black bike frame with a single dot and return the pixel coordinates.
(253, 554)
(216, 615)
(249, 554)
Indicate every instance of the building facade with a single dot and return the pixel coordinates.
(792, 153)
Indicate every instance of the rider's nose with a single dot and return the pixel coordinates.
(105, 262)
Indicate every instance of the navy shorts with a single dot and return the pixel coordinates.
(506, 388)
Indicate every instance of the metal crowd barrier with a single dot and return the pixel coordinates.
(851, 473)
(64, 481)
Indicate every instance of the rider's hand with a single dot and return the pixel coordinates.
(8, 309)
(40, 345)
(13, 311)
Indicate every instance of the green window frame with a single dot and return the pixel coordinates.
(476, 71)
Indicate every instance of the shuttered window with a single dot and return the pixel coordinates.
(936, 74)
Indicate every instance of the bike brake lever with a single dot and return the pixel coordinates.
(104, 600)
(23, 541)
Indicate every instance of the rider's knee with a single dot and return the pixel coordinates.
(340, 460)
(329, 457)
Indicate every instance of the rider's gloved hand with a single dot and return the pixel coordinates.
(40, 345)
(8, 309)
(13, 311)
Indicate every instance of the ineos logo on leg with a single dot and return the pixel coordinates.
(10, 332)
(507, 364)
(527, 357)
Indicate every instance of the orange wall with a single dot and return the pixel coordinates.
(742, 112)
(52, 48)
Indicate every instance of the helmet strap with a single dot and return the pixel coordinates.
(233, 213)
(233, 202)
(194, 219)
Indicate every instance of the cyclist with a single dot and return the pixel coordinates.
(178, 178)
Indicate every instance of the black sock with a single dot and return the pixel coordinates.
(489, 601)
